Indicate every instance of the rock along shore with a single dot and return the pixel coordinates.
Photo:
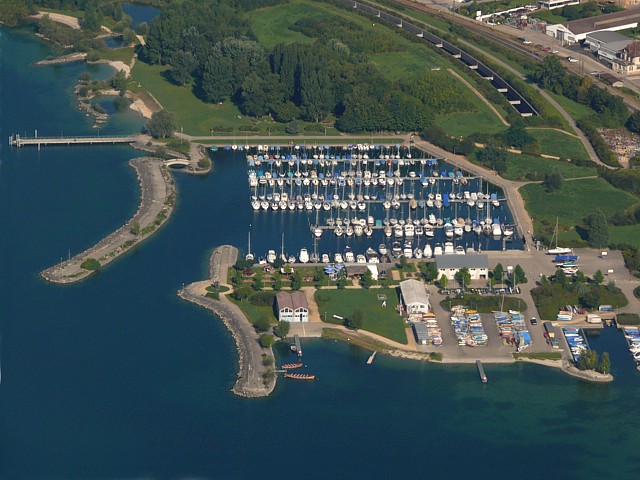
(251, 372)
(158, 195)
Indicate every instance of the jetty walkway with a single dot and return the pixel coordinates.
(157, 202)
(20, 141)
(251, 380)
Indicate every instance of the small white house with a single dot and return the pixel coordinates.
(415, 298)
(292, 307)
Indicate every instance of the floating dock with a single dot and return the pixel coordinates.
(371, 358)
(483, 376)
(298, 345)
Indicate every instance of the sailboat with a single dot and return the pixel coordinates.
(558, 250)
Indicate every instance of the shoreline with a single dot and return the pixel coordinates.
(158, 195)
(254, 380)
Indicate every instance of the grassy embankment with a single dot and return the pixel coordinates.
(384, 321)
(572, 203)
(559, 143)
(548, 303)
(486, 303)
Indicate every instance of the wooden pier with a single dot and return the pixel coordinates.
(296, 338)
(19, 141)
(483, 376)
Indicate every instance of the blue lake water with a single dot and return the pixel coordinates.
(140, 13)
(117, 378)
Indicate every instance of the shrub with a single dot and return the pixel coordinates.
(90, 264)
(262, 299)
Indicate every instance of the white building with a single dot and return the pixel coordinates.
(415, 298)
(608, 46)
(292, 307)
(577, 30)
(552, 4)
(477, 264)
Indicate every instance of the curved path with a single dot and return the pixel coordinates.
(484, 100)
(250, 382)
(157, 201)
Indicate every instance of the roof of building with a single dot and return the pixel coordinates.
(422, 332)
(611, 79)
(414, 291)
(356, 269)
(601, 22)
(633, 49)
(607, 37)
(293, 300)
(476, 260)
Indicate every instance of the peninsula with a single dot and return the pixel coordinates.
(157, 199)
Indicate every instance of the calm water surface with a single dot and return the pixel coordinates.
(117, 378)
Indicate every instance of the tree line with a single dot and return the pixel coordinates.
(211, 46)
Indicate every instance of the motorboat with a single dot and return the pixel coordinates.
(348, 255)
(407, 251)
(396, 249)
(428, 251)
(361, 258)
(382, 248)
(325, 258)
(437, 250)
(338, 258)
(271, 256)
(448, 248)
(459, 250)
(303, 256)
(417, 253)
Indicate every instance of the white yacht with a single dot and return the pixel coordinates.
(338, 258)
(437, 250)
(448, 248)
(325, 258)
(407, 251)
(303, 256)
(271, 256)
(348, 255)
(361, 259)
(428, 252)
(382, 248)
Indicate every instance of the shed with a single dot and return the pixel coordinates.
(421, 332)
(415, 297)
(449, 265)
(292, 307)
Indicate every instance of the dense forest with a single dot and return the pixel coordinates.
(210, 44)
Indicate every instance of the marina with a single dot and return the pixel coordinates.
(632, 336)
(396, 197)
(576, 340)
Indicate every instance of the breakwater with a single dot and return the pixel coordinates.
(157, 201)
(254, 379)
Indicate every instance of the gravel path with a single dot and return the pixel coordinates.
(156, 205)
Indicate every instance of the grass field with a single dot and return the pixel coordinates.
(549, 301)
(466, 123)
(486, 303)
(377, 319)
(553, 142)
(122, 54)
(271, 25)
(573, 202)
(253, 312)
(520, 165)
(628, 234)
(575, 109)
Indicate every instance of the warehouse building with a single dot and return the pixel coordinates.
(292, 307)
(415, 298)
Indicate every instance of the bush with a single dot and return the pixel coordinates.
(628, 319)
(90, 264)
(266, 341)
(262, 299)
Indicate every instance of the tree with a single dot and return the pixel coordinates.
(262, 324)
(550, 72)
(591, 299)
(516, 136)
(584, 360)
(367, 279)
(282, 329)
(498, 274)
(266, 341)
(354, 321)
(128, 35)
(90, 264)
(296, 281)
(553, 181)
(162, 124)
(241, 293)
(560, 277)
(494, 157)
(135, 228)
(142, 28)
(597, 230)
(443, 281)
(217, 78)
(463, 277)
(519, 275)
(429, 271)
(276, 279)
(605, 363)
(119, 81)
(183, 63)
(292, 128)
(258, 283)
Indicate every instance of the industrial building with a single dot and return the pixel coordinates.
(477, 264)
(415, 298)
(577, 30)
(292, 307)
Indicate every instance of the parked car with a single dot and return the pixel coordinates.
(572, 59)
(533, 321)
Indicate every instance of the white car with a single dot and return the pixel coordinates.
(572, 59)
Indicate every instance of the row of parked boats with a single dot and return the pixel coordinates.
(576, 340)
(467, 327)
(632, 335)
(397, 250)
(513, 329)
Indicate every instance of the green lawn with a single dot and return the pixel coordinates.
(553, 142)
(575, 109)
(384, 321)
(253, 312)
(572, 203)
(486, 303)
(122, 54)
(521, 165)
(466, 123)
(414, 60)
(271, 25)
(628, 234)
(550, 298)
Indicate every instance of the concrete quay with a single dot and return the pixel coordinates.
(157, 202)
(250, 382)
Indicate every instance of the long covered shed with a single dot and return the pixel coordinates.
(415, 298)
